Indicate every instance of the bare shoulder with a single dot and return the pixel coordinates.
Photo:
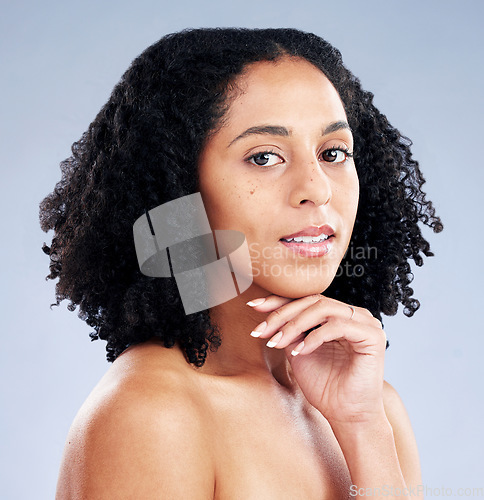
(140, 434)
(405, 442)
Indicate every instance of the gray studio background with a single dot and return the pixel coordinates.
(422, 60)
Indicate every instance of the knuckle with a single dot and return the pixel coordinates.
(337, 322)
(291, 324)
(321, 304)
(366, 312)
(377, 322)
(277, 313)
(275, 316)
(384, 336)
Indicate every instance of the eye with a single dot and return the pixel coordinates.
(336, 155)
(263, 159)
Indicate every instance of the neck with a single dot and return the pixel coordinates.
(240, 353)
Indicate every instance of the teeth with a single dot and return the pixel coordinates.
(308, 239)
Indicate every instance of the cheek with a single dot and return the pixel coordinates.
(352, 193)
(230, 202)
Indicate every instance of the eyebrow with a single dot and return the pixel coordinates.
(284, 132)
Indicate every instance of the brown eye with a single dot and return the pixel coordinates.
(334, 156)
(263, 159)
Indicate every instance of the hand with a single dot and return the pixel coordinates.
(339, 363)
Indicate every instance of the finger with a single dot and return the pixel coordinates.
(309, 312)
(363, 339)
(281, 315)
(317, 314)
(269, 303)
(297, 327)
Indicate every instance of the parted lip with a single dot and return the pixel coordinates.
(312, 231)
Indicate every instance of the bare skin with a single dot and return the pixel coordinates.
(255, 421)
(156, 427)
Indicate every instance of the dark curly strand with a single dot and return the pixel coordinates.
(142, 150)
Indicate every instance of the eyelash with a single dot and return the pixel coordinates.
(343, 149)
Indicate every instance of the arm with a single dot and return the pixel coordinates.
(405, 442)
(339, 366)
(382, 454)
(137, 445)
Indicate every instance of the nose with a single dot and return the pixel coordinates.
(310, 185)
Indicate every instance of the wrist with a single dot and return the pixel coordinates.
(363, 435)
(362, 424)
(370, 452)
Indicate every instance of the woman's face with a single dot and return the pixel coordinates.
(279, 167)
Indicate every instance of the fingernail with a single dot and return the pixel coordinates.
(274, 340)
(298, 349)
(256, 302)
(259, 329)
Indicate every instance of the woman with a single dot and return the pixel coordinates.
(278, 392)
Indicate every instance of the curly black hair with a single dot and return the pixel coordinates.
(142, 151)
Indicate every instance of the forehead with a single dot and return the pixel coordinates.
(287, 88)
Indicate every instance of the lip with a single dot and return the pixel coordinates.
(312, 231)
(310, 249)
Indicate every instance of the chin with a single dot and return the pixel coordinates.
(294, 287)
